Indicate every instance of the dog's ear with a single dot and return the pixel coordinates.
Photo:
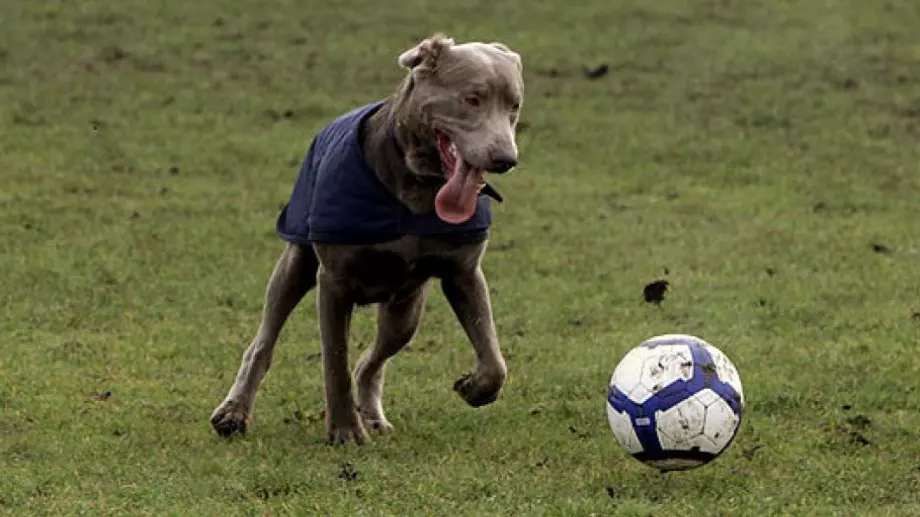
(426, 52)
(514, 55)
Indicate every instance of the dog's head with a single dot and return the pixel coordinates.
(457, 111)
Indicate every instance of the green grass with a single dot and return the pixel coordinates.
(145, 154)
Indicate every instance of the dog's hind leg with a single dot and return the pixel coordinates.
(468, 295)
(294, 275)
(397, 322)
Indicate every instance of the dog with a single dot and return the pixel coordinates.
(391, 196)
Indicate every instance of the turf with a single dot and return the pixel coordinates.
(762, 156)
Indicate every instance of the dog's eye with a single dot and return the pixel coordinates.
(472, 100)
(516, 107)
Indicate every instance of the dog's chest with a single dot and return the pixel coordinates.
(376, 276)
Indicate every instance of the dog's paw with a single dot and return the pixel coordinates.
(229, 419)
(346, 429)
(375, 421)
(478, 390)
(377, 425)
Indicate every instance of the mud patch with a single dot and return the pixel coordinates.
(266, 493)
(881, 248)
(551, 72)
(849, 83)
(101, 396)
(853, 431)
(348, 472)
(112, 54)
(861, 422)
(750, 452)
(596, 72)
(611, 493)
(578, 433)
(654, 292)
(858, 438)
(911, 112)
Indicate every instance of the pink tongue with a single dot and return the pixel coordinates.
(456, 201)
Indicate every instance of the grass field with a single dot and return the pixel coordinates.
(764, 153)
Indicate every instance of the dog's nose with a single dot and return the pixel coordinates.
(502, 164)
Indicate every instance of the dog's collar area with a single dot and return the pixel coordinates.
(490, 191)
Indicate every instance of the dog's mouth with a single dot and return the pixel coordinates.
(455, 202)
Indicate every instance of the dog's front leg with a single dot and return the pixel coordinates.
(468, 295)
(335, 310)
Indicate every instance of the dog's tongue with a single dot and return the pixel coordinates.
(456, 201)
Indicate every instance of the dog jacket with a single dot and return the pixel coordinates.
(338, 198)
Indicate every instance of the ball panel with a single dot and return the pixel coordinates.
(669, 364)
(644, 371)
(707, 376)
(640, 394)
(721, 424)
(726, 370)
(681, 426)
(628, 372)
(641, 417)
(622, 427)
(707, 397)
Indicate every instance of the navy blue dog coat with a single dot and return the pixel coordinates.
(338, 199)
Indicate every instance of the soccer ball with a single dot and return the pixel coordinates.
(675, 402)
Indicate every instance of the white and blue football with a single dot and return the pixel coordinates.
(675, 402)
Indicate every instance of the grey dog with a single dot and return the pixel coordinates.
(390, 196)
